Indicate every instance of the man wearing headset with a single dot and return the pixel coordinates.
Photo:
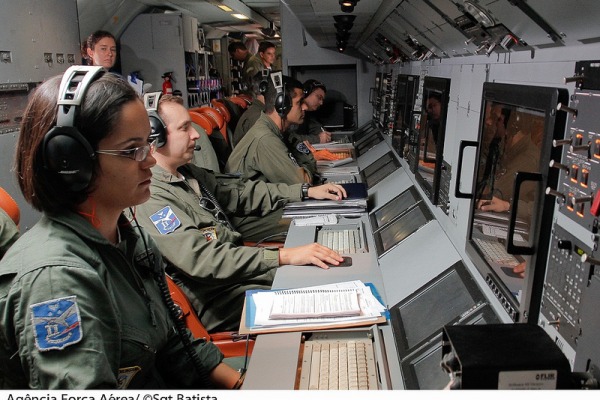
(311, 129)
(189, 215)
(263, 153)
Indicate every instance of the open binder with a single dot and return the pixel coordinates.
(259, 304)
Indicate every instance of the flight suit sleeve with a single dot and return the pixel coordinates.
(243, 197)
(187, 248)
(179, 370)
(92, 342)
(277, 164)
(9, 233)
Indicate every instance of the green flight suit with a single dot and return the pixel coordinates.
(263, 154)
(78, 312)
(247, 121)
(9, 232)
(252, 66)
(211, 266)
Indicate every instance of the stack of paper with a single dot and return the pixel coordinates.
(343, 304)
(354, 203)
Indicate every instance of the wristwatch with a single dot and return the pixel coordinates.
(305, 187)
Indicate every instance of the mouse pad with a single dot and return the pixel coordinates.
(346, 263)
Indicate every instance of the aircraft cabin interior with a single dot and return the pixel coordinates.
(470, 123)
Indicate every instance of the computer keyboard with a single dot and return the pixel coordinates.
(495, 252)
(338, 365)
(342, 181)
(344, 241)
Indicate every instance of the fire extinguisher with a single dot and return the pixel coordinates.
(167, 87)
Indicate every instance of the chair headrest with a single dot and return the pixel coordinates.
(10, 206)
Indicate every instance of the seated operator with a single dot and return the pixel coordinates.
(252, 113)
(84, 300)
(263, 153)
(188, 217)
(311, 129)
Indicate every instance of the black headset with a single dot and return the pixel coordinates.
(65, 151)
(158, 128)
(283, 103)
(311, 85)
(264, 83)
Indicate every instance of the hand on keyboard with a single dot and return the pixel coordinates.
(313, 253)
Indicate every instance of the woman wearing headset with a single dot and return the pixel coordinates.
(82, 302)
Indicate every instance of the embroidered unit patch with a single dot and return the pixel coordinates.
(302, 148)
(209, 233)
(56, 323)
(126, 376)
(165, 220)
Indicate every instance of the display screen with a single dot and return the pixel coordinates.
(379, 169)
(516, 129)
(394, 208)
(432, 131)
(368, 143)
(452, 297)
(400, 228)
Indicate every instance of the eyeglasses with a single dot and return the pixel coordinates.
(137, 153)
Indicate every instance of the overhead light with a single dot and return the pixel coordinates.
(239, 16)
(480, 14)
(225, 8)
(348, 5)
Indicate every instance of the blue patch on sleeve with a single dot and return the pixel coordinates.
(56, 323)
(302, 148)
(165, 220)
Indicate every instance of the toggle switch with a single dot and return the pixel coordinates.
(554, 164)
(556, 193)
(561, 142)
(581, 147)
(562, 107)
(574, 78)
(589, 259)
(582, 199)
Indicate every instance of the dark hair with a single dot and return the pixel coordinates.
(97, 118)
(91, 41)
(289, 84)
(234, 46)
(263, 46)
(311, 85)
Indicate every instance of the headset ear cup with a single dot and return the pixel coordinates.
(158, 130)
(283, 104)
(66, 153)
(262, 87)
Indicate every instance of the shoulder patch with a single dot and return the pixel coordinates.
(165, 220)
(56, 323)
(302, 148)
(209, 233)
(126, 376)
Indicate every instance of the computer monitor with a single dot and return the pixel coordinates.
(451, 298)
(393, 233)
(394, 208)
(379, 169)
(407, 87)
(368, 142)
(432, 131)
(509, 212)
